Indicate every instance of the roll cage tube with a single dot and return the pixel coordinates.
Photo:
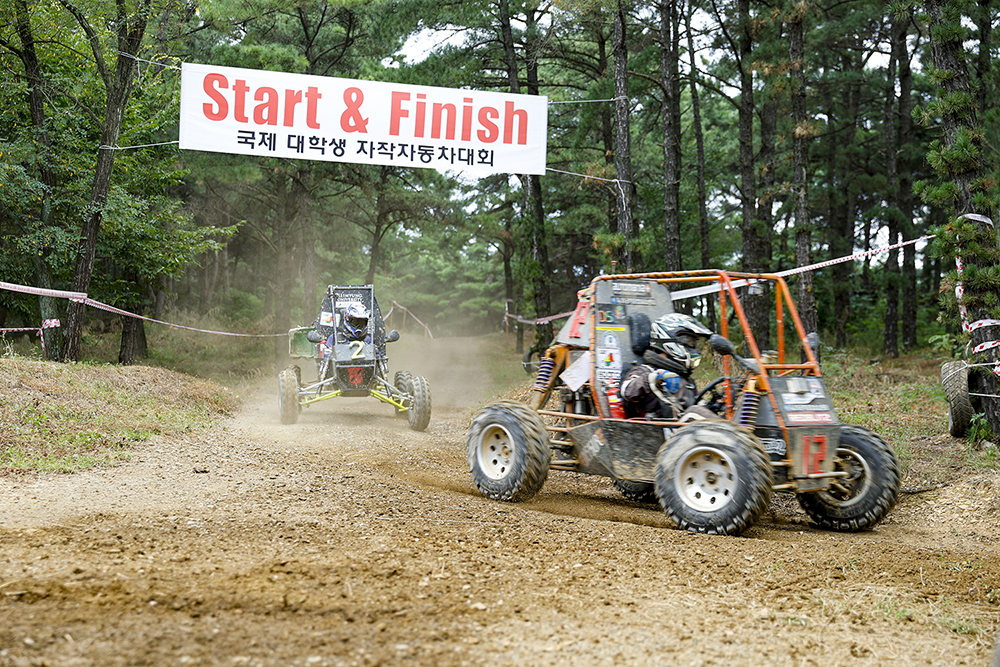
(728, 283)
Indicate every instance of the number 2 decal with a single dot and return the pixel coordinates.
(358, 348)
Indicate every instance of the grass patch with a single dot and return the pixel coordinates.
(69, 417)
(234, 361)
(502, 363)
(903, 402)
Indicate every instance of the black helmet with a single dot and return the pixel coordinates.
(676, 335)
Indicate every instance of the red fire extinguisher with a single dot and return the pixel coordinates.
(615, 402)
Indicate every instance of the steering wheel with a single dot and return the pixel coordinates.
(716, 396)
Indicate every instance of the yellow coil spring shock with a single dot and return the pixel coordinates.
(746, 414)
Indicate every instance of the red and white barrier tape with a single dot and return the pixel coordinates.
(39, 331)
(710, 289)
(81, 297)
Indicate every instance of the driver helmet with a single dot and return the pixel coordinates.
(356, 320)
(676, 336)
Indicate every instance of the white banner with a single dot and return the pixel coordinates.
(277, 114)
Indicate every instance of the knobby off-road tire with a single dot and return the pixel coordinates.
(955, 380)
(419, 413)
(713, 477)
(640, 492)
(401, 381)
(288, 396)
(867, 494)
(508, 451)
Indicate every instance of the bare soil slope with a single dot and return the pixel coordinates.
(347, 539)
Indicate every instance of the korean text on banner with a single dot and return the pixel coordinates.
(277, 114)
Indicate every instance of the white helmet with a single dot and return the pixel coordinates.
(356, 320)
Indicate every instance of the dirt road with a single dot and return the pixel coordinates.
(347, 539)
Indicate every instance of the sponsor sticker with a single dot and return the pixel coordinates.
(797, 399)
(810, 418)
(773, 445)
(609, 358)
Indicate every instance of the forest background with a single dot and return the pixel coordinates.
(742, 135)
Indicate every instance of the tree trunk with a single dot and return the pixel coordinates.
(118, 87)
(971, 234)
(800, 180)
(756, 307)
(890, 342)
(699, 140)
(133, 340)
(909, 284)
(49, 309)
(310, 287)
(133, 343)
(608, 135)
(670, 83)
(47, 306)
(623, 144)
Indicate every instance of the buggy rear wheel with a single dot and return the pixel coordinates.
(713, 477)
(288, 396)
(419, 413)
(955, 380)
(640, 492)
(868, 492)
(508, 451)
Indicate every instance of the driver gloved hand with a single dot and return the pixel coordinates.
(669, 381)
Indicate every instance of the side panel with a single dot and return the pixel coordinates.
(813, 428)
(616, 300)
(298, 346)
(619, 449)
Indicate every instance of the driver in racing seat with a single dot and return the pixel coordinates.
(662, 386)
(354, 324)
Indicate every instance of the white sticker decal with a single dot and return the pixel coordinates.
(609, 358)
(810, 418)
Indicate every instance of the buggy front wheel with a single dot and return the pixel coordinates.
(713, 477)
(508, 451)
(402, 384)
(419, 414)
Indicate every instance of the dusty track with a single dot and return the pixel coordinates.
(348, 539)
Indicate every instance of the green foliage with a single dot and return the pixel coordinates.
(247, 238)
(979, 429)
